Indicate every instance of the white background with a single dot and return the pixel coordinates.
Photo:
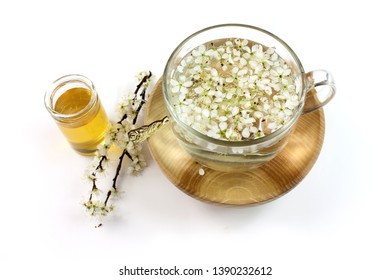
(334, 225)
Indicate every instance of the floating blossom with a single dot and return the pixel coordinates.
(181, 85)
(235, 90)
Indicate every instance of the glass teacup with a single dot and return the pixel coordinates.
(310, 90)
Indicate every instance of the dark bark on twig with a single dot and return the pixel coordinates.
(107, 198)
(118, 169)
(141, 83)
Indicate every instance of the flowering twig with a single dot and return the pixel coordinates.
(118, 135)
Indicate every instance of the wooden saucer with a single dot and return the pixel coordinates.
(256, 186)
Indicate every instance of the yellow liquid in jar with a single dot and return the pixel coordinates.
(83, 132)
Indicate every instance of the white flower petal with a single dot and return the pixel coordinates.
(206, 113)
(187, 84)
(245, 132)
(173, 82)
(175, 89)
(198, 90)
(235, 110)
(222, 125)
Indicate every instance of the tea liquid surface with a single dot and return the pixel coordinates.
(73, 101)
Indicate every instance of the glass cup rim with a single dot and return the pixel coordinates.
(240, 143)
(54, 86)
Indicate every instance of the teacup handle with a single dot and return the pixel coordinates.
(320, 90)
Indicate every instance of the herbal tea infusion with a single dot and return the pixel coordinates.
(85, 134)
(74, 104)
(233, 89)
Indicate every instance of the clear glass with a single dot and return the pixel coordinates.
(246, 154)
(74, 104)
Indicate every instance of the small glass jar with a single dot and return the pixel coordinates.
(314, 89)
(75, 106)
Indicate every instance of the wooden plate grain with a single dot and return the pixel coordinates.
(256, 186)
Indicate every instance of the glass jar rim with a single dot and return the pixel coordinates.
(246, 142)
(70, 78)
